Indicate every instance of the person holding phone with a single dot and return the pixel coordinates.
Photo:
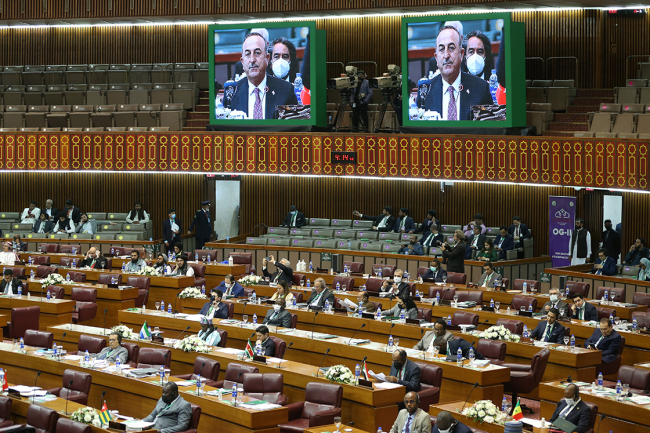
(283, 273)
(94, 260)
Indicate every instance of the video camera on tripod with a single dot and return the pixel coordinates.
(390, 80)
(390, 84)
(347, 81)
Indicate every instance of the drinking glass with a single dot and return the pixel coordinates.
(566, 340)
(337, 422)
(522, 309)
(344, 287)
(376, 271)
(497, 304)
(203, 258)
(455, 300)
(156, 330)
(396, 342)
(157, 305)
(436, 349)
(626, 389)
(617, 320)
(245, 317)
(267, 279)
(302, 283)
(103, 265)
(444, 280)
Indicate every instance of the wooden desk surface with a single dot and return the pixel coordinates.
(51, 306)
(3, 320)
(331, 428)
(137, 397)
(455, 407)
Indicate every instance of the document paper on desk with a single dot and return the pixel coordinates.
(380, 376)
(137, 425)
(535, 422)
(387, 385)
(350, 304)
(639, 399)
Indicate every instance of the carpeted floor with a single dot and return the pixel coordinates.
(533, 405)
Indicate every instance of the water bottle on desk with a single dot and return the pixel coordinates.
(308, 282)
(504, 405)
(311, 268)
(196, 257)
(378, 315)
(31, 274)
(634, 325)
(198, 384)
(254, 297)
(258, 348)
(293, 302)
(54, 350)
(349, 245)
(2, 376)
(380, 274)
(255, 320)
(22, 344)
(530, 308)
(417, 294)
(357, 373)
(605, 297)
(494, 85)
(525, 333)
(611, 318)
(491, 303)
(162, 375)
(162, 306)
(123, 267)
(379, 430)
(48, 295)
(209, 259)
(567, 292)
(20, 291)
(525, 289)
(169, 308)
(390, 343)
(437, 298)
(459, 357)
(118, 365)
(449, 320)
(297, 84)
(86, 358)
(600, 381)
(619, 389)
(74, 263)
(573, 342)
(74, 250)
(338, 286)
(31, 260)
(470, 356)
(327, 306)
(233, 398)
(203, 289)
(227, 239)
(67, 277)
(112, 251)
(402, 316)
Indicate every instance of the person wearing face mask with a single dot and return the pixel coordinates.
(405, 303)
(360, 99)
(230, 287)
(172, 413)
(605, 339)
(479, 60)
(294, 218)
(412, 418)
(171, 230)
(283, 292)
(284, 61)
(278, 316)
(135, 264)
(573, 409)
(208, 332)
(446, 423)
(435, 273)
(550, 331)
(404, 372)
(94, 260)
(611, 241)
(161, 265)
(488, 277)
(413, 248)
(437, 337)
(214, 308)
(555, 301)
(397, 287)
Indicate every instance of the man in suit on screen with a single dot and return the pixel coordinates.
(258, 94)
(453, 92)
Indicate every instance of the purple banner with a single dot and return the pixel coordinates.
(561, 218)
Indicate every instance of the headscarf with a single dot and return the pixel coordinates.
(643, 273)
(205, 321)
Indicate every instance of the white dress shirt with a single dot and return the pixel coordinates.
(23, 217)
(7, 258)
(251, 98)
(445, 97)
(70, 230)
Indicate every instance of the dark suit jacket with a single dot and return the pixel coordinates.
(428, 275)
(237, 289)
(363, 89)
(76, 214)
(327, 296)
(203, 226)
(609, 346)
(280, 92)
(557, 334)
(403, 289)
(98, 263)
(411, 378)
(408, 225)
(481, 241)
(523, 231)
(474, 92)
(300, 220)
(437, 239)
(221, 313)
(612, 244)
(609, 267)
(269, 347)
(169, 235)
(579, 416)
(378, 219)
(286, 274)
(426, 226)
(634, 257)
(283, 319)
(55, 214)
(455, 258)
(590, 312)
(458, 428)
(48, 226)
(508, 244)
(417, 250)
(453, 345)
(14, 285)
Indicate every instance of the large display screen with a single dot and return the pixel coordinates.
(264, 74)
(463, 70)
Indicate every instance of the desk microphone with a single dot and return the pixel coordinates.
(101, 400)
(322, 360)
(350, 424)
(355, 333)
(38, 373)
(313, 324)
(285, 352)
(602, 417)
(202, 365)
(175, 310)
(483, 323)
(244, 310)
(62, 337)
(470, 393)
(179, 335)
(105, 311)
(68, 398)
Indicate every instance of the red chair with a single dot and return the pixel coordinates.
(348, 282)
(470, 296)
(142, 283)
(457, 278)
(86, 304)
(22, 319)
(642, 319)
(18, 272)
(106, 278)
(67, 249)
(386, 271)
(373, 286)
(199, 274)
(244, 259)
(268, 386)
(422, 270)
(294, 321)
(446, 293)
(298, 296)
(638, 298)
(133, 351)
(594, 415)
(5, 412)
(40, 339)
(494, 350)
(525, 378)
(224, 338)
(42, 260)
(80, 277)
(120, 251)
(514, 326)
(210, 370)
(78, 391)
(505, 282)
(609, 368)
(430, 382)
(637, 378)
(206, 253)
(614, 293)
(424, 314)
(604, 312)
(42, 418)
(90, 343)
(194, 421)
(355, 267)
(232, 374)
(464, 318)
(578, 287)
(298, 278)
(153, 357)
(56, 292)
(69, 262)
(519, 301)
(65, 425)
(48, 248)
(322, 403)
(280, 347)
(44, 271)
(532, 285)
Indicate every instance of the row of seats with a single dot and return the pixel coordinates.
(539, 115)
(106, 74)
(186, 93)
(634, 119)
(632, 94)
(637, 82)
(583, 134)
(172, 116)
(114, 129)
(559, 93)
(643, 70)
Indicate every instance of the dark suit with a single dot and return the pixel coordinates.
(479, 244)
(507, 245)
(390, 223)
(98, 262)
(411, 377)
(609, 267)
(474, 92)
(283, 273)
(15, 283)
(403, 289)
(361, 95)
(608, 346)
(417, 250)
(426, 226)
(580, 415)
(453, 345)
(54, 216)
(221, 313)
(557, 333)
(268, 347)
(429, 275)
(328, 295)
(203, 222)
(458, 428)
(523, 231)
(612, 242)
(48, 226)
(435, 241)
(455, 258)
(237, 289)
(76, 214)
(590, 312)
(279, 92)
(409, 224)
(283, 318)
(169, 236)
(300, 220)
(634, 257)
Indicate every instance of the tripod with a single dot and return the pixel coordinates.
(388, 94)
(345, 102)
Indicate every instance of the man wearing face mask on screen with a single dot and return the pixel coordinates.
(284, 61)
(479, 60)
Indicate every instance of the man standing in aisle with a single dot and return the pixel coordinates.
(580, 244)
(203, 223)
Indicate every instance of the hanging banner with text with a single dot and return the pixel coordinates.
(561, 218)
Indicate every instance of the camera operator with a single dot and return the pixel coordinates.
(360, 99)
